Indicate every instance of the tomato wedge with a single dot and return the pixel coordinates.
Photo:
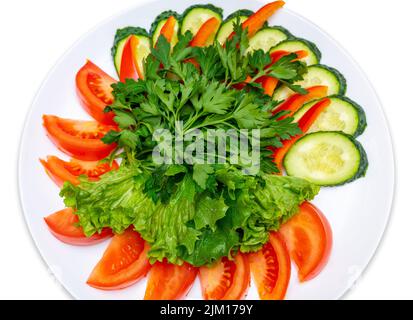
(62, 224)
(271, 269)
(79, 139)
(226, 279)
(309, 240)
(169, 281)
(123, 263)
(61, 171)
(93, 87)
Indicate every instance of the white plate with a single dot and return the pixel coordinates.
(358, 212)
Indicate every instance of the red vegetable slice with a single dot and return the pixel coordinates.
(63, 225)
(309, 240)
(127, 65)
(271, 269)
(226, 279)
(256, 21)
(93, 87)
(206, 33)
(123, 263)
(169, 281)
(296, 101)
(61, 171)
(77, 138)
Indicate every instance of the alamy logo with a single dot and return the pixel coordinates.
(212, 146)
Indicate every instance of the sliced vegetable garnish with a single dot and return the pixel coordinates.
(64, 225)
(160, 21)
(122, 35)
(168, 29)
(170, 281)
(123, 263)
(309, 240)
(271, 269)
(326, 159)
(141, 48)
(94, 90)
(304, 124)
(77, 138)
(227, 27)
(195, 16)
(317, 75)
(343, 114)
(313, 54)
(296, 101)
(267, 38)
(127, 65)
(256, 21)
(61, 171)
(206, 34)
(226, 279)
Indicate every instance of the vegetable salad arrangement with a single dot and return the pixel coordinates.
(222, 221)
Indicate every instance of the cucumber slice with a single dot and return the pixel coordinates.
(326, 159)
(317, 74)
(120, 40)
(342, 115)
(314, 55)
(159, 22)
(227, 27)
(195, 16)
(267, 38)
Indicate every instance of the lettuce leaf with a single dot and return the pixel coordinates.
(195, 227)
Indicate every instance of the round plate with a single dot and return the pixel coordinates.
(358, 212)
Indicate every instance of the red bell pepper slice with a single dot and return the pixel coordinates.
(207, 30)
(304, 124)
(296, 101)
(277, 55)
(127, 65)
(257, 20)
(168, 28)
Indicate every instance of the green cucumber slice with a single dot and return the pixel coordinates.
(314, 55)
(343, 114)
(195, 16)
(120, 40)
(267, 38)
(317, 75)
(227, 27)
(159, 22)
(326, 159)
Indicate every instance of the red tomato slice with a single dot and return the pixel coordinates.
(62, 224)
(271, 268)
(123, 263)
(61, 171)
(226, 279)
(94, 90)
(309, 240)
(169, 281)
(79, 139)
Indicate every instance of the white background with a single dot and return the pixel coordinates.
(34, 34)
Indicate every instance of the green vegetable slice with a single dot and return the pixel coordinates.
(326, 159)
